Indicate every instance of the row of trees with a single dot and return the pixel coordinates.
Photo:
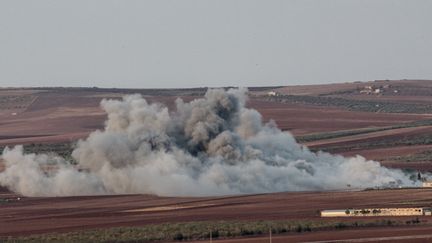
(363, 211)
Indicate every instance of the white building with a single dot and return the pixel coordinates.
(334, 213)
(427, 183)
(272, 93)
(377, 212)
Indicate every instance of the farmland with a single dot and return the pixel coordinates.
(393, 128)
(107, 217)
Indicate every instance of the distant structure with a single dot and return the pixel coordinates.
(427, 183)
(377, 212)
(367, 89)
(272, 93)
(377, 90)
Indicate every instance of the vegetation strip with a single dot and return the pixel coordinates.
(200, 231)
(354, 105)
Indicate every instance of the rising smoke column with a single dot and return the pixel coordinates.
(209, 146)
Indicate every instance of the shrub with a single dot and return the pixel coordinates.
(178, 237)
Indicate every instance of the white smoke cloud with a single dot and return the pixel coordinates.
(209, 146)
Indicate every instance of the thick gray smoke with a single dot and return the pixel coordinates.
(209, 146)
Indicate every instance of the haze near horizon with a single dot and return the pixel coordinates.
(196, 43)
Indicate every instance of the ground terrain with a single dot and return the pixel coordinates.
(27, 216)
(393, 126)
(63, 115)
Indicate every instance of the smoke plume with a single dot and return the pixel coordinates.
(209, 146)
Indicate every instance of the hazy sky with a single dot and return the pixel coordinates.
(187, 43)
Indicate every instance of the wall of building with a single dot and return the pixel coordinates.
(333, 213)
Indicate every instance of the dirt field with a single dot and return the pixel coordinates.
(54, 115)
(305, 119)
(23, 216)
(66, 115)
(37, 116)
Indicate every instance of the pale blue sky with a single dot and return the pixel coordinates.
(189, 43)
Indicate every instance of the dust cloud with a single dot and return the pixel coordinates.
(210, 146)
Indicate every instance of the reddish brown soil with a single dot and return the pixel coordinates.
(38, 215)
(418, 166)
(393, 134)
(304, 119)
(386, 156)
(387, 135)
(63, 116)
(386, 152)
(381, 154)
(60, 117)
